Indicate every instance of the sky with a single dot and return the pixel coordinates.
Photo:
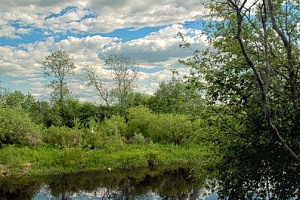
(91, 30)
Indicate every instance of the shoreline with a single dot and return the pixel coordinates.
(36, 161)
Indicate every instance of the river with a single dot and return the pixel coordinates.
(141, 184)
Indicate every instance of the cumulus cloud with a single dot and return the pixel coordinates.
(158, 49)
(106, 15)
(8, 31)
(25, 61)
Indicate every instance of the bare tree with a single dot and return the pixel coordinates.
(95, 81)
(125, 73)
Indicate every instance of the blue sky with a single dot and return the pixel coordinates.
(90, 31)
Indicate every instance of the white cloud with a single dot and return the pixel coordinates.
(157, 47)
(23, 30)
(111, 15)
(8, 31)
(25, 63)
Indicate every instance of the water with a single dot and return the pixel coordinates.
(142, 184)
(254, 182)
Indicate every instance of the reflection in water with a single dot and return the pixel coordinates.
(265, 174)
(258, 181)
(171, 184)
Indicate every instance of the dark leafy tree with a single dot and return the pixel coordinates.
(176, 97)
(250, 75)
(251, 65)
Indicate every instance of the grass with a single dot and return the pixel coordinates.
(18, 161)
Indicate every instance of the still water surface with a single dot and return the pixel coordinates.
(142, 184)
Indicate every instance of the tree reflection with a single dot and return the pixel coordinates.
(266, 174)
(167, 183)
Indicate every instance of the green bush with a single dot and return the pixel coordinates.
(106, 135)
(139, 121)
(170, 128)
(113, 126)
(138, 138)
(62, 137)
(164, 128)
(16, 127)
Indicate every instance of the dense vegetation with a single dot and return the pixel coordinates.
(236, 114)
(59, 136)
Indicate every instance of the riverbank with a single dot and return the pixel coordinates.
(20, 161)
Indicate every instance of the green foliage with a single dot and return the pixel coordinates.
(252, 75)
(106, 135)
(114, 126)
(53, 117)
(61, 114)
(248, 72)
(62, 137)
(87, 112)
(45, 160)
(70, 111)
(139, 121)
(170, 128)
(16, 127)
(176, 97)
(138, 138)
(15, 100)
(3, 92)
(40, 112)
(138, 99)
(163, 128)
(73, 157)
(58, 65)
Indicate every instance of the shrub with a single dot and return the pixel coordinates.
(170, 128)
(164, 128)
(106, 135)
(138, 138)
(139, 121)
(114, 126)
(62, 137)
(16, 127)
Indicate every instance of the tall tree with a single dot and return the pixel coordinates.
(58, 65)
(96, 82)
(253, 64)
(177, 97)
(3, 92)
(125, 73)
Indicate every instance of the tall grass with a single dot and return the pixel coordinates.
(49, 160)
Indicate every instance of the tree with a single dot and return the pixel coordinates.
(252, 66)
(250, 75)
(138, 99)
(15, 99)
(94, 81)
(125, 73)
(58, 65)
(177, 97)
(16, 127)
(3, 92)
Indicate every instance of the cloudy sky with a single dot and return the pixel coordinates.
(89, 31)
